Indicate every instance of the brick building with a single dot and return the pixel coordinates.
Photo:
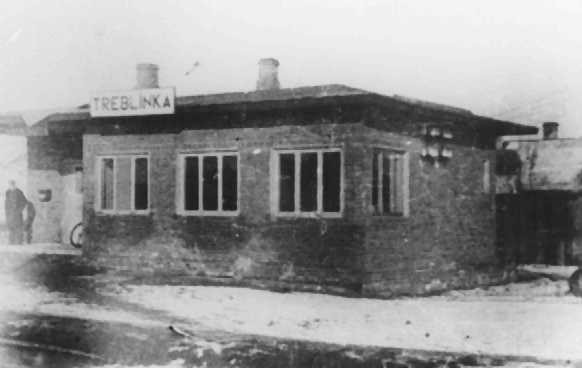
(325, 187)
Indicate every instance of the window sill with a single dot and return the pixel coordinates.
(123, 213)
(312, 215)
(208, 213)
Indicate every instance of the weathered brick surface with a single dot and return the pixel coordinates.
(448, 240)
(254, 244)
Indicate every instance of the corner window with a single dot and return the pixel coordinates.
(210, 184)
(123, 184)
(390, 182)
(308, 182)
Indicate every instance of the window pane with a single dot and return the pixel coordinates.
(123, 183)
(375, 181)
(287, 182)
(229, 183)
(141, 183)
(331, 181)
(398, 180)
(210, 183)
(308, 198)
(386, 183)
(191, 201)
(107, 169)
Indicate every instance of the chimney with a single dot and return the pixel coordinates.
(268, 75)
(147, 76)
(550, 130)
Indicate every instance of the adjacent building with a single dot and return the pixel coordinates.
(539, 206)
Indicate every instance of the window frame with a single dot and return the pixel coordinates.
(378, 209)
(181, 184)
(276, 181)
(114, 210)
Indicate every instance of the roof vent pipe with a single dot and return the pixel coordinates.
(147, 76)
(550, 130)
(268, 75)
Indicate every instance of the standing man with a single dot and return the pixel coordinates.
(13, 205)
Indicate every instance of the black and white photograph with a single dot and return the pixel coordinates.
(290, 184)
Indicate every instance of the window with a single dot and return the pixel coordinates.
(308, 182)
(209, 184)
(123, 183)
(390, 182)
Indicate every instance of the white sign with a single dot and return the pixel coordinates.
(155, 101)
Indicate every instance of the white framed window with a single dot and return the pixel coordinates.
(123, 184)
(390, 182)
(209, 184)
(307, 182)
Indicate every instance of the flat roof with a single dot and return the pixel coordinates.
(299, 94)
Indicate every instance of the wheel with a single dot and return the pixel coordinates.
(76, 237)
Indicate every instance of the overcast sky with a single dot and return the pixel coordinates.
(518, 60)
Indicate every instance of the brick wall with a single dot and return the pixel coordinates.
(254, 244)
(447, 241)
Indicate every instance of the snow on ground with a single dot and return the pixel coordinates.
(39, 248)
(535, 320)
(541, 290)
(178, 363)
(29, 298)
(17, 296)
(562, 272)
